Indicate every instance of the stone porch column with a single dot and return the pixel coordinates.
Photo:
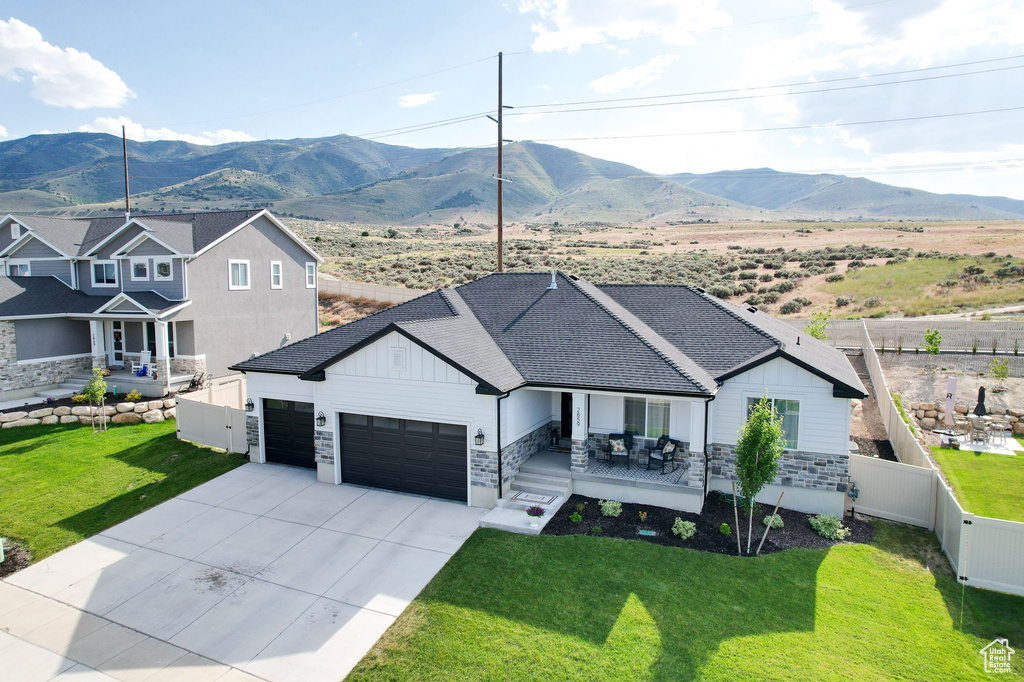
(161, 361)
(99, 344)
(696, 454)
(580, 433)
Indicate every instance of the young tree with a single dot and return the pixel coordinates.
(819, 324)
(758, 449)
(96, 390)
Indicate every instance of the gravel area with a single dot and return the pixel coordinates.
(918, 385)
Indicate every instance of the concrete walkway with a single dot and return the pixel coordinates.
(260, 573)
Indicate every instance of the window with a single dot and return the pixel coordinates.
(275, 275)
(18, 269)
(15, 230)
(647, 417)
(104, 273)
(140, 269)
(311, 275)
(162, 271)
(151, 339)
(238, 274)
(789, 410)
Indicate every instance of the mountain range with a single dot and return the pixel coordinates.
(349, 179)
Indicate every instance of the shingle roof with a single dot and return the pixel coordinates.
(43, 296)
(511, 328)
(153, 301)
(186, 232)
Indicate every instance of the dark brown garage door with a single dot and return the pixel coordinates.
(426, 458)
(288, 432)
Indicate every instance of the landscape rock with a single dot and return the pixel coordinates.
(919, 414)
(997, 410)
(931, 414)
(97, 420)
(1018, 428)
(62, 411)
(1016, 413)
(21, 422)
(12, 416)
(170, 402)
(39, 414)
(68, 419)
(153, 416)
(125, 407)
(109, 410)
(156, 404)
(51, 419)
(127, 418)
(81, 411)
(141, 407)
(928, 422)
(170, 413)
(961, 409)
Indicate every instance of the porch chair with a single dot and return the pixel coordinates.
(662, 453)
(619, 445)
(196, 383)
(141, 368)
(979, 430)
(997, 431)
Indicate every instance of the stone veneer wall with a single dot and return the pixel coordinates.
(324, 442)
(14, 376)
(483, 466)
(252, 430)
(798, 469)
(188, 365)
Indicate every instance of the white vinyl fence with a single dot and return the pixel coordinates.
(214, 416)
(964, 336)
(984, 552)
(372, 291)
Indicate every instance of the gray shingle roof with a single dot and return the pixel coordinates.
(511, 329)
(152, 301)
(43, 296)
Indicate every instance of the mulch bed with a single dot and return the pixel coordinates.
(797, 531)
(16, 557)
(67, 402)
(881, 449)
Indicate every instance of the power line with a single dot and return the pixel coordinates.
(771, 87)
(782, 128)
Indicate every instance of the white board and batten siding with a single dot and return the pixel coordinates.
(524, 411)
(824, 420)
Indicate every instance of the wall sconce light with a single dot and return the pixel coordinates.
(321, 419)
(249, 407)
(479, 438)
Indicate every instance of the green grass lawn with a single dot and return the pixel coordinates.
(61, 484)
(985, 484)
(513, 607)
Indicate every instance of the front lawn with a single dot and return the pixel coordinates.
(61, 484)
(985, 484)
(514, 607)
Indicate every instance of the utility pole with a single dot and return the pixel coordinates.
(124, 146)
(501, 179)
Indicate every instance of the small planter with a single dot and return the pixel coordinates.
(535, 512)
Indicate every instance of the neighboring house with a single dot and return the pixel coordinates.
(424, 396)
(196, 290)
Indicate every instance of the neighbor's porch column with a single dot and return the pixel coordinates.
(580, 433)
(99, 347)
(696, 454)
(163, 363)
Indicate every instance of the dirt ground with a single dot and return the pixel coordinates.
(918, 385)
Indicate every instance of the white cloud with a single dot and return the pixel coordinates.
(635, 77)
(3, 131)
(570, 24)
(63, 77)
(136, 131)
(798, 140)
(416, 99)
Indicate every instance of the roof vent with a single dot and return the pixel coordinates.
(754, 310)
(700, 290)
(798, 340)
(574, 278)
(554, 284)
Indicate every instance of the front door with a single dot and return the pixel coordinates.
(117, 343)
(566, 430)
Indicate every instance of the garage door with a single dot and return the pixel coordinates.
(288, 432)
(426, 458)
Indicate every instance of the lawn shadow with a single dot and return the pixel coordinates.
(584, 594)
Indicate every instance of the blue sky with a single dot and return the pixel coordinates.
(226, 70)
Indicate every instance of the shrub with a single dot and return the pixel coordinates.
(829, 526)
(766, 277)
(610, 507)
(80, 398)
(999, 369)
(835, 277)
(734, 247)
(873, 302)
(580, 506)
(747, 274)
(576, 517)
(932, 341)
(842, 302)
(790, 307)
(720, 291)
(771, 297)
(596, 530)
(854, 264)
(133, 396)
(684, 529)
(773, 521)
(724, 529)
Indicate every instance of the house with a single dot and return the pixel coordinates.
(196, 290)
(452, 393)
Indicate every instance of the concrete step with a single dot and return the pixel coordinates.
(545, 469)
(55, 394)
(544, 479)
(75, 383)
(540, 488)
(515, 520)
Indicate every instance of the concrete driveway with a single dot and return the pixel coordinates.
(261, 572)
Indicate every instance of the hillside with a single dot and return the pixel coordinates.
(353, 180)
